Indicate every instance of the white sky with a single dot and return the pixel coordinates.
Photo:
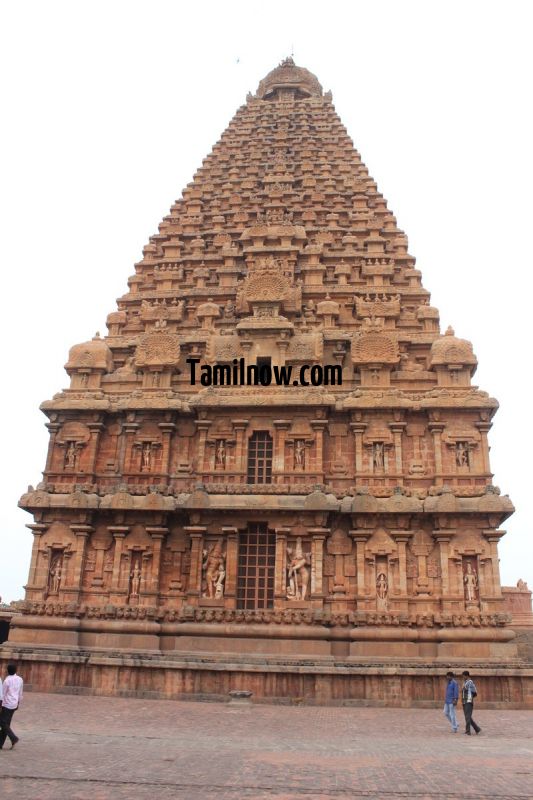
(108, 108)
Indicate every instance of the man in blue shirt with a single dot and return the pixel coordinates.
(450, 700)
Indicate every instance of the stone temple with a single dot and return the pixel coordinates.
(335, 541)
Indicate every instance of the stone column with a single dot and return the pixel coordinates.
(239, 426)
(196, 533)
(444, 538)
(281, 427)
(360, 537)
(484, 428)
(157, 534)
(401, 538)
(96, 429)
(202, 426)
(232, 556)
(129, 429)
(358, 429)
(436, 429)
(493, 537)
(280, 575)
(82, 533)
(397, 429)
(318, 425)
(167, 429)
(119, 533)
(38, 529)
(53, 427)
(317, 561)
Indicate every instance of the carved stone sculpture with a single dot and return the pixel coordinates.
(220, 454)
(382, 591)
(298, 572)
(299, 453)
(378, 454)
(214, 571)
(470, 581)
(55, 574)
(135, 579)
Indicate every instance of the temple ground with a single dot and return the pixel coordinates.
(97, 748)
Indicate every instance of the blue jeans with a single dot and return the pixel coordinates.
(449, 710)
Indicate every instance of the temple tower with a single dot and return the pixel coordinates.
(348, 516)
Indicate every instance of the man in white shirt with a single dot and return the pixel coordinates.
(11, 699)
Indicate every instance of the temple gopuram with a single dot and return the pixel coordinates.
(202, 526)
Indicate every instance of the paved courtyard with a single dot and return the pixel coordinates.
(95, 748)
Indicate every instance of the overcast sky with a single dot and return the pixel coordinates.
(108, 109)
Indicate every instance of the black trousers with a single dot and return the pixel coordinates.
(468, 708)
(6, 714)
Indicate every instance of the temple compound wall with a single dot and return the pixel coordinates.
(337, 542)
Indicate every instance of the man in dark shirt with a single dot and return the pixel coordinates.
(468, 693)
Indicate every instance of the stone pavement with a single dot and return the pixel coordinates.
(97, 748)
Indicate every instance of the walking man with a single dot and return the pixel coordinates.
(450, 700)
(11, 698)
(467, 696)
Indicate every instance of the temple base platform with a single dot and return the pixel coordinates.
(380, 666)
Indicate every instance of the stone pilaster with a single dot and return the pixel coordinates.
(82, 533)
(167, 429)
(53, 427)
(401, 538)
(240, 426)
(126, 452)
(397, 429)
(281, 427)
(484, 428)
(197, 533)
(319, 425)
(493, 537)
(231, 535)
(436, 429)
(202, 426)
(360, 537)
(317, 561)
(96, 429)
(444, 538)
(119, 533)
(38, 529)
(157, 535)
(358, 429)
(280, 575)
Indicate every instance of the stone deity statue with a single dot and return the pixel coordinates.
(298, 572)
(299, 453)
(214, 571)
(146, 456)
(56, 571)
(378, 455)
(220, 456)
(382, 591)
(461, 454)
(135, 577)
(71, 456)
(471, 583)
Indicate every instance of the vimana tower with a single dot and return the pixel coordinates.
(336, 541)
